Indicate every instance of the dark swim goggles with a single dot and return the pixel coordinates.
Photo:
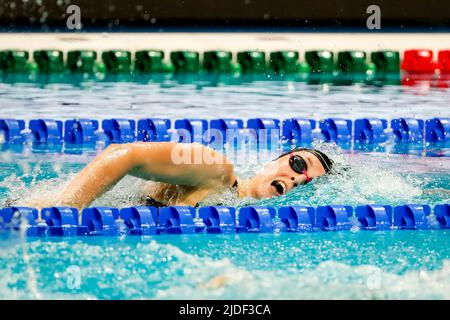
(298, 164)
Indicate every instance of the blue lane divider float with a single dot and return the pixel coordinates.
(437, 130)
(100, 221)
(229, 130)
(81, 131)
(13, 218)
(140, 220)
(218, 219)
(143, 220)
(411, 216)
(298, 130)
(408, 130)
(177, 219)
(153, 130)
(336, 130)
(334, 217)
(296, 218)
(226, 124)
(46, 130)
(442, 212)
(265, 129)
(243, 137)
(119, 130)
(370, 131)
(61, 221)
(374, 217)
(364, 132)
(256, 219)
(11, 130)
(191, 130)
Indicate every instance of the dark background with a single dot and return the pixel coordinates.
(225, 15)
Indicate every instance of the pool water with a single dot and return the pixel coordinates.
(333, 265)
(366, 178)
(208, 97)
(349, 264)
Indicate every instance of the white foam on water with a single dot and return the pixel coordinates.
(152, 270)
(330, 280)
(365, 183)
(358, 179)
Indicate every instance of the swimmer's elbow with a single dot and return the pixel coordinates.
(119, 154)
(115, 147)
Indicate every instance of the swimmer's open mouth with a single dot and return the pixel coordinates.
(279, 186)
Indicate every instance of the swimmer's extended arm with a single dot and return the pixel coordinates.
(191, 165)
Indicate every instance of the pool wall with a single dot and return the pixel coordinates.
(232, 41)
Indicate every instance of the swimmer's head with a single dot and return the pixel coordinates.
(294, 168)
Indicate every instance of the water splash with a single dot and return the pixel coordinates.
(214, 268)
(357, 179)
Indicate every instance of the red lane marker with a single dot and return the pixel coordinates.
(418, 61)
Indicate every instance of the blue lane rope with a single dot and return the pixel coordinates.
(143, 220)
(364, 133)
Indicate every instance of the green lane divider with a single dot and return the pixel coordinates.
(14, 61)
(117, 61)
(318, 66)
(352, 62)
(252, 61)
(386, 61)
(49, 61)
(283, 62)
(353, 67)
(81, 61)
(185, 61)
(387, 66)
(148, 61)
(320, 61)
(218, 61)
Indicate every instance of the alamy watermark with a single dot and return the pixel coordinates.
(374, 280)
(73, 21)
(373, 22)
(236, 144)
(73, 277)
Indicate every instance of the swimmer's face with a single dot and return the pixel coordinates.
(277, 178)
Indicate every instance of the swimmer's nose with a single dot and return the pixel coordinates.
(297, 181)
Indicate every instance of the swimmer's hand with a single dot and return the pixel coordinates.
(217, 282)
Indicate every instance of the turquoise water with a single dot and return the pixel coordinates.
(175, 97)
(368, 178)
(335, 265)
(351, 264)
